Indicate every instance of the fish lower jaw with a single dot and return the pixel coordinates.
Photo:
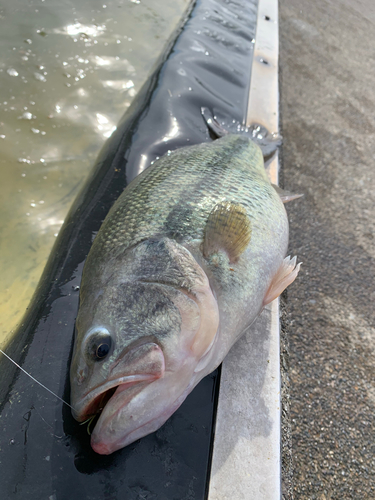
(106, 447)
(134, 414)
(101, 448)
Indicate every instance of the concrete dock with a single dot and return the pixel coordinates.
(328, 117)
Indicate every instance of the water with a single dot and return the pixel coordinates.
(67, 74)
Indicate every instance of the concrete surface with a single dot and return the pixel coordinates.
(328, 117)
(246, 454)
(246, 451)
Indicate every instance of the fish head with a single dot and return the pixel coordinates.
(139, 338)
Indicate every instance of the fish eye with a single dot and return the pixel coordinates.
(102, 350)
(99, 346)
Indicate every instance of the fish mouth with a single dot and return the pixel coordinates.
(99, 402)
(139, 366)
(96, 400)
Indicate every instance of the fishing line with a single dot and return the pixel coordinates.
(37, 381)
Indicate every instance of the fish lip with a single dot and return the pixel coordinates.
(80, 408)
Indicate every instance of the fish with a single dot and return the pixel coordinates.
(183, 264)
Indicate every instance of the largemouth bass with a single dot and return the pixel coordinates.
(185, 261)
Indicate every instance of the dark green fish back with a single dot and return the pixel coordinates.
(175, 196)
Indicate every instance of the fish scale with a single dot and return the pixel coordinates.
(179, 183)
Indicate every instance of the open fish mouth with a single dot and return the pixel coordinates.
(126, 421)
(97, 406)
(138, 367)
(96, 400)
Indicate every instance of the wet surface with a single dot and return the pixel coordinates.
(67, 74)
(44, 453)
(328, 104)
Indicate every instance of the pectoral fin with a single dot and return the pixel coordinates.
(286, 196)
(286, 274)
(228, 228)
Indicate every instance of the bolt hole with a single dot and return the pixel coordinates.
(263, 61)
(267, 18)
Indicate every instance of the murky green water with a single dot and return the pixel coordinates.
(67, 73)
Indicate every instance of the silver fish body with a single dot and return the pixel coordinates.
(183, 264)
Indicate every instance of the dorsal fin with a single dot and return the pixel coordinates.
(267, 142)
(228, 228)
(213, 125)
(286, 196)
